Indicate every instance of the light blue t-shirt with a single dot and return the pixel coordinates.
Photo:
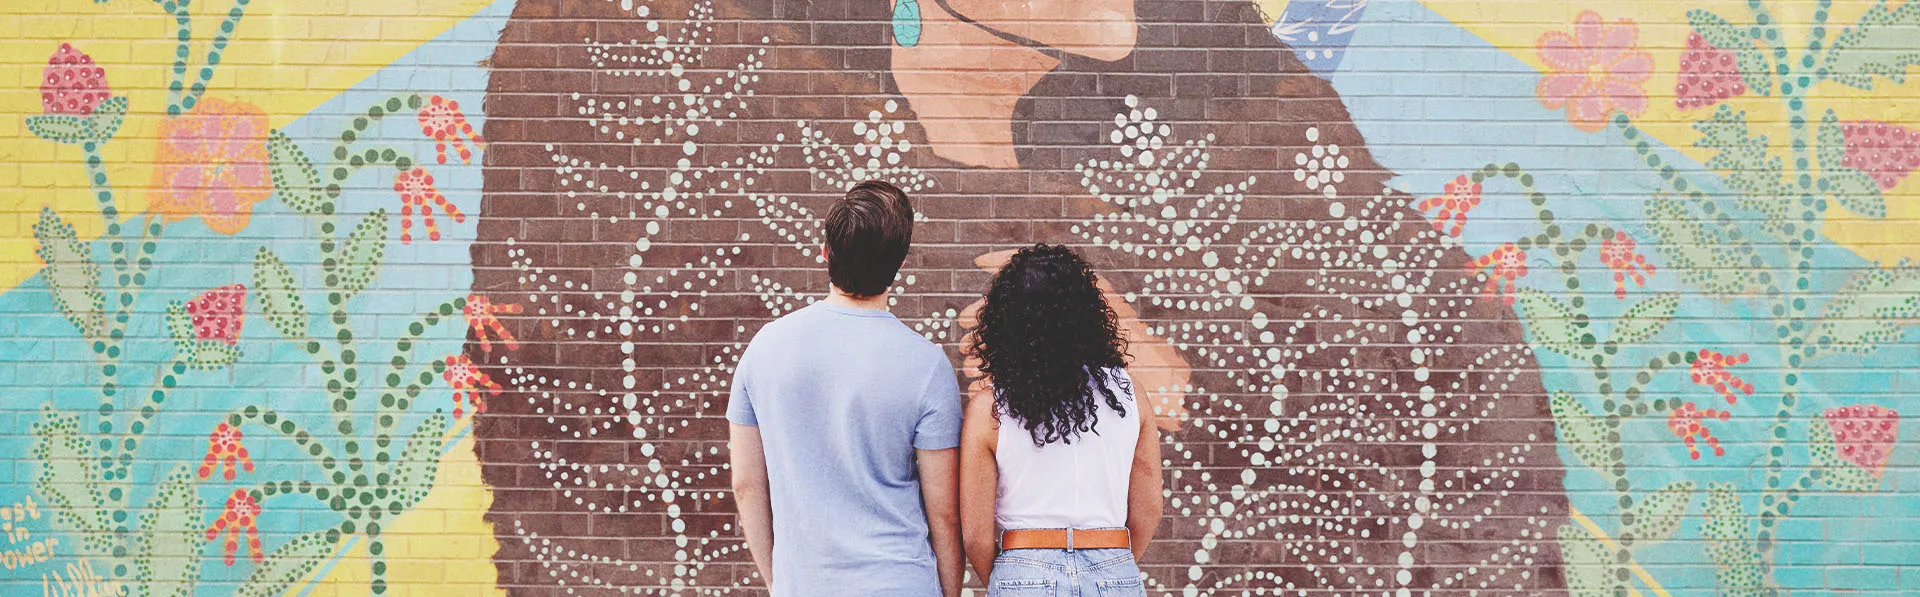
(842, 397)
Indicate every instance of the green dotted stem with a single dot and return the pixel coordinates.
(166, 377)
(183, 33)
(1633, 394)
(393, 400)
(220, 39)
(286, 427)
(374, 113)
(1767, 32)
(1816, 37)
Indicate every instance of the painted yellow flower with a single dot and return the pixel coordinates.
(212, 163)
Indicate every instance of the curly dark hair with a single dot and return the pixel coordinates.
(1048, 341)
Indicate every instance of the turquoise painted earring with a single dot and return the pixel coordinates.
(906, 23)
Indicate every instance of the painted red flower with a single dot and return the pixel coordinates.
(467, 381)
(218, 314)
(1461, 196)
(1864, 435)
(242, 515)
(1708, 75)
(224, 448)
(442, 119)
(480, 312)
(1887, 152)
(1502, 267)
(1689, 423)
(1620, 255)
(1594, 71)
(416, 190)
(72, 83)
(1710, 370)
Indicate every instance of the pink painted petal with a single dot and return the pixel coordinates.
(1588, 29)
(1621, 36)
(1628, 99)
(1633, 66)
(1556, 49)
(1587, 113)
(1556, 89)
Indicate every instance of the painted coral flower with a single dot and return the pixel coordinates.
(218, 314)
(1620, 255)
(1596, 70)
(480, 312)
(225, 450)
(212, 163)
(1864, 434)
(1689, 423)
(467, 381)
(241, 516)
(416, 189)
(442, 119)
(72, 83)
(1503, 267)
(1461, 196)
(1708, 75)
(1886, 152)
(1710, 370)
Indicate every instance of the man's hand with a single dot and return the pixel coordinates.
(751, 496)
(940, 492)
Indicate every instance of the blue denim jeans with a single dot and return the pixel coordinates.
(1063, 573)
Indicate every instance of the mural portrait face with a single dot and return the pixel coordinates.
(1348, 412)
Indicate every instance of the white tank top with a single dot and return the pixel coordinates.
(1081, 485)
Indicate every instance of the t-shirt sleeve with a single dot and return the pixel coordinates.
(739, 403)
(940, 412)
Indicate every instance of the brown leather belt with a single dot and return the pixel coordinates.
(1066, 539)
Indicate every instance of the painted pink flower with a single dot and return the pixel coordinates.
(1886, 152)
(1503, 267)
(212, 163)
(1597, 69)
(72, 83)
(1864, 435)
(1461, 196)
(225, 450)
(1689, 423)
(480, 313)
(1710, 370)
(1620, 256)
(416, 190)
(242, 515)
(218, 314)
(467, 381)
(1708, 75)
(442, 120)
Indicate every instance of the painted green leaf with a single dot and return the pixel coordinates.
(1705, 246)
(294, 176)
(167, 551)
(1849, 187)
(1553, 324)
(360, 258)
(1727, 36)
(207, 355)
(279, 295)
(1585, 434)
(1755, 70)
(61, 128)
(66, 480)
(107, 116)
(71, 275)
(1645, 318)
(1873, 308)
(1657, 516)
(1742, 159)
(420, 461)
(1834, 472)
(1880, 44)
(1589, 564)
(1726, 528)
(287, 565)
(179, 327)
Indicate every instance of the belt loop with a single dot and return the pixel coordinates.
(1069, 538)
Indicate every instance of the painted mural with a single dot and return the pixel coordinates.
(1436, 298)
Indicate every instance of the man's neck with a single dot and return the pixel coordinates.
(872, 303)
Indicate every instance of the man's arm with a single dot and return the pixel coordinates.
(940, 491)
(980, 480)
(751, 496)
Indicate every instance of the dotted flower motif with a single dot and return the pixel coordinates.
(1596, 70)
(442, 119)
(480, 312)
(467, 381)
(1621, 255)
(1689, 423)
(1710, 370)
(218, 314)
(1503, 267)
(212, 163)
(72, 83)
(1708, 75)
(1886, 152)
(1320, 168)
(1864, 435)
(225, 450)
(1461, 196)
(416, 189)
(241, 515)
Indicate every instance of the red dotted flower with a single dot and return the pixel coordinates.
(218, 314)
(1864, 435)
(467, 381)
(442, 119)
(242, 515)
(480, 312)
(224, 448)
(1886, 152)
(1689, 423)
(1503, 266)
(1461, 196)
(1620, 256)
(72, 83)
(1708, 75)
(416, 189)
(1710, 370)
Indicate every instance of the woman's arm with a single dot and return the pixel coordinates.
(979, 483)
(1143, 488)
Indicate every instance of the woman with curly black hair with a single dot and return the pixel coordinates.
(1060, 467)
